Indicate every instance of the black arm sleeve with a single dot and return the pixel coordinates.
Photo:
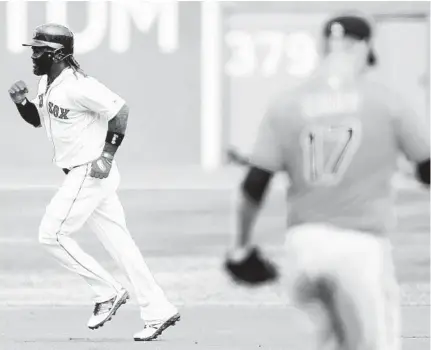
(423, 172)
(29, 113)
(256, 182)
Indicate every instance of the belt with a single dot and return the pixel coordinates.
(67, 170)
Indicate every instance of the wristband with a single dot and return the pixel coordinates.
(22, 103)
(114, 138)
(107, 155)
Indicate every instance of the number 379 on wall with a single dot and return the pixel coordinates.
(328, 151)
(264, 53)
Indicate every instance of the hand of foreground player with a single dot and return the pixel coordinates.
(101, 167)
(247, 265)
(18, 92)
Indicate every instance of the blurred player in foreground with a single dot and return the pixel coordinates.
(86, 123)
(337, 137)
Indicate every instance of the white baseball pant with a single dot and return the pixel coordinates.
(364, 289)
(83, 199)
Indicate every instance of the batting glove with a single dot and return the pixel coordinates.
(101, 167)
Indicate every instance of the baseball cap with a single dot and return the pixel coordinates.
(355, 27)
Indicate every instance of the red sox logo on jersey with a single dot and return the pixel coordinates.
(57, 111)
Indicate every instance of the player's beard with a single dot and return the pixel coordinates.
(42, 65)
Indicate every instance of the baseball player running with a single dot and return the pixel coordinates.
(338, 137)
(86, 123)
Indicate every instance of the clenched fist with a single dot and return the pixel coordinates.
(18, 92)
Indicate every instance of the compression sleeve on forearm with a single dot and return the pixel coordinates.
(256, 183)
(29, 113)
(423, 172)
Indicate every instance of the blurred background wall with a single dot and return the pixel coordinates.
(197, 76)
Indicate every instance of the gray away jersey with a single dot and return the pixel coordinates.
(339, 146)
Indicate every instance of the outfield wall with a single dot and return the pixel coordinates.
(151, 54)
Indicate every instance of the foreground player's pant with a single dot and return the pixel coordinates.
(108, 222)
(351, 275)
(84, 199)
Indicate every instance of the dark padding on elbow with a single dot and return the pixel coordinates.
(423, 172)
(256, 183)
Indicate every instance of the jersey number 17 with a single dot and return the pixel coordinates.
(328, 150)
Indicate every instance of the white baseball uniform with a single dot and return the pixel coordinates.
(75, 111)
(339, 142)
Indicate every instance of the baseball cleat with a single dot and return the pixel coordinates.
(153, 329)
(104, 311)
